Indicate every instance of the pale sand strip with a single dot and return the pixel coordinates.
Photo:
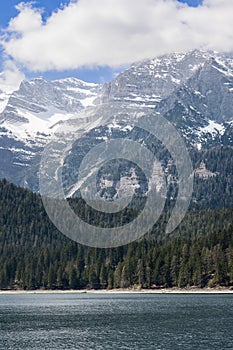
(125, 291)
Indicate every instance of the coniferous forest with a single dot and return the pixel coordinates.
(35, 255)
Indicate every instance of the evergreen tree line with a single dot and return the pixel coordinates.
(33, 254)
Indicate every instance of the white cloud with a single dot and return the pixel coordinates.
(10, 77)
(116, 32)
(21, 23)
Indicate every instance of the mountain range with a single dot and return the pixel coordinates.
(194, 91)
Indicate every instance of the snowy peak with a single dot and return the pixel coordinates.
(38, 104)
(29, 117)
(66, 94)
(193, 90)
(150, 81)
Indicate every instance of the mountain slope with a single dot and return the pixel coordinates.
(202, 108)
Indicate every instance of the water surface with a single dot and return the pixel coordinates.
(116, 321)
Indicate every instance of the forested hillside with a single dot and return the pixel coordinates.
(33, 254)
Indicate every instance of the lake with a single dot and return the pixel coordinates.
(116, 321)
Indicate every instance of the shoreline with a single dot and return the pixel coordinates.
(217, 290)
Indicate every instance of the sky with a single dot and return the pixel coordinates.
(93, 40)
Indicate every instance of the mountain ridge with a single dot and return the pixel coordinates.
(192, 90)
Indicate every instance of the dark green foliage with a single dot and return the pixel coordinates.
(215, 192)
(33, 254)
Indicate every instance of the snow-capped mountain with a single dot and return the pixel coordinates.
(202, 107)
(39, 104)
(31, 115)
(150, 81)
(193, 90)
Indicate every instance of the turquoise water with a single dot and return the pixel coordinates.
(120, 321)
